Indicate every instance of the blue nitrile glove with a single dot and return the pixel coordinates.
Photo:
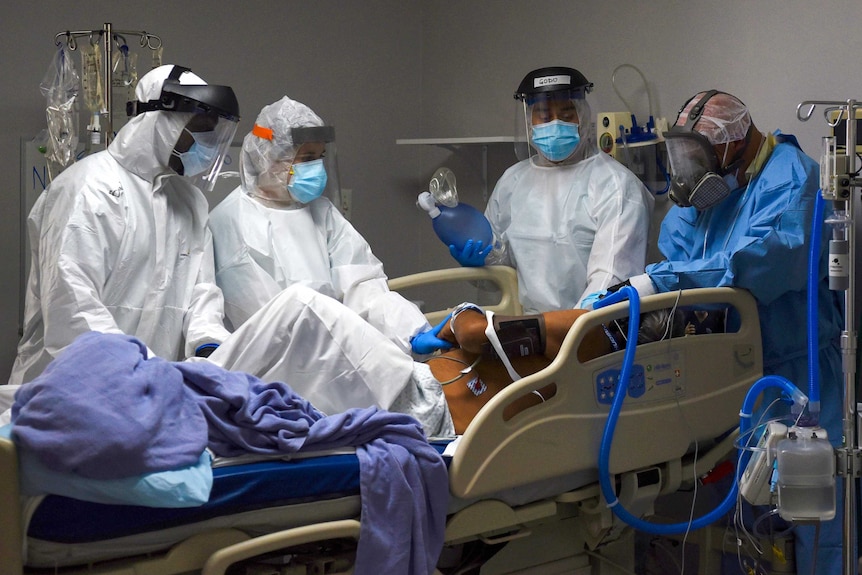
(428, 342)
(205, 349)
(590, 299)
(473, 255)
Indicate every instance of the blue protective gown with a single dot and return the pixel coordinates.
(758, 239)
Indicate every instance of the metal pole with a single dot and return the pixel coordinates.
(108, 122)
(848, 344)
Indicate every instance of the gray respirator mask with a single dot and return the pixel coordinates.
(697, 177)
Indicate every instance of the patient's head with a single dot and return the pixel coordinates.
(661, 324)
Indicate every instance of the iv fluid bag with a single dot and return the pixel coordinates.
(454, 226)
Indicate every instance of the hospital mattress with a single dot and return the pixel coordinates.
(65, 531)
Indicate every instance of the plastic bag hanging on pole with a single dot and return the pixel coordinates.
(91, 84)
(124, 81)
(60, 86)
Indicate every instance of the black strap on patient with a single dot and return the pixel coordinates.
(519, 336)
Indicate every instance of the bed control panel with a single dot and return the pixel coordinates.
(656, 378)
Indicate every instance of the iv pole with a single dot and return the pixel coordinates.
(837, 186)
(108, 37)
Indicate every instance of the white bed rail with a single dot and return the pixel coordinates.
(693, 387)
(503, 277)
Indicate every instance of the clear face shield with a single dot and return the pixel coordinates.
(553, 127)
(297, 174)
(201, 149)
(203, 144)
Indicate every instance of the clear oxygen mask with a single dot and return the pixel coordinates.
(443, 189)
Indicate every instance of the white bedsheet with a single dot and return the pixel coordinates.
(7, 398)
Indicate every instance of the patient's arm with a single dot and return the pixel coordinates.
(470, 381)
(470, 336)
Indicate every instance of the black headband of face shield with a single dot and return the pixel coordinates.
(304, 135)
(195, 98)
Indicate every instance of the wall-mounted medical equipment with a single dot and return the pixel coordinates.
(640, 147)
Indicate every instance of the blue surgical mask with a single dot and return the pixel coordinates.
(556, 140)
(200, 155)
(308, 181)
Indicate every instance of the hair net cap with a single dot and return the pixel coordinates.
(282, 116)
(725, 118)
(150, 85)
(259, 153)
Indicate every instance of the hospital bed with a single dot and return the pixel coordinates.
(526, 484)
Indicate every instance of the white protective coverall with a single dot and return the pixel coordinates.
(260, 250)
(119, 244)
(265, 239)
(334, 358)
(570, 230)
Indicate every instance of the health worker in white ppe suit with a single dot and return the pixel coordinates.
(281, 227)
(570, 219)
(121, 245)
(119, 242)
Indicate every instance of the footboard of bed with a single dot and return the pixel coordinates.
(11, 536)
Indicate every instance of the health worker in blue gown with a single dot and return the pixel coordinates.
(745, 203)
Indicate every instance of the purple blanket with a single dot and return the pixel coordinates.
(101, 411)
(404, 483)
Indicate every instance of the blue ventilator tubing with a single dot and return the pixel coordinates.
(813, 332)
(745, 414)
(454, 226)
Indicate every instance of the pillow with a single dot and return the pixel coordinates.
(184, 487)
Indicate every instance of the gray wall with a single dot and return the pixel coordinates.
(384, 70)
